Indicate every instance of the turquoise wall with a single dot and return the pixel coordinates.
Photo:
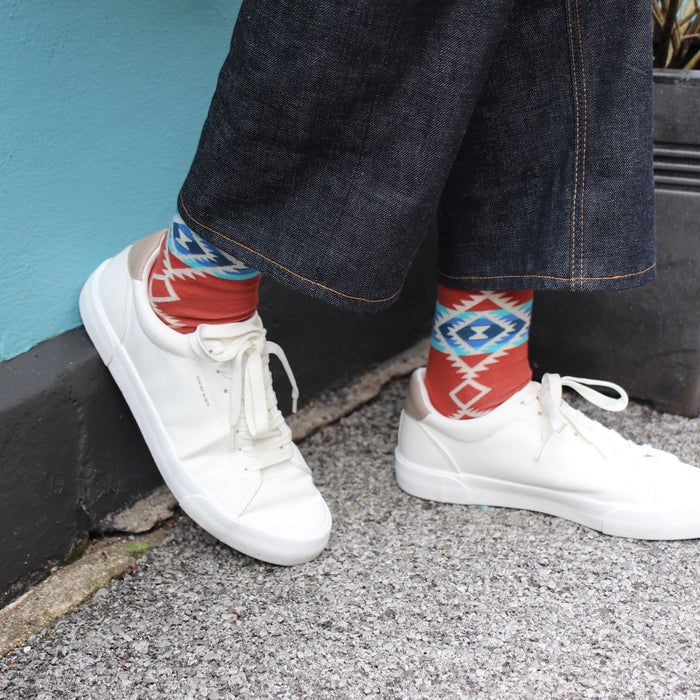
(101, 105)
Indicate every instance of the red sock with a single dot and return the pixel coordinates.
(192, 283)
(478, 355)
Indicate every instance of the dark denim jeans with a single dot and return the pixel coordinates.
(339, 128)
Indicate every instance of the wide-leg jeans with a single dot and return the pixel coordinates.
(340, 128)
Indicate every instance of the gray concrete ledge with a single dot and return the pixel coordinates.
(70, 585)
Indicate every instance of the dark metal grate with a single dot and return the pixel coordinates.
(677, 167)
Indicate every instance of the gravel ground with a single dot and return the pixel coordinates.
(411, 599)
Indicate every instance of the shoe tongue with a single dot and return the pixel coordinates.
(228, 341)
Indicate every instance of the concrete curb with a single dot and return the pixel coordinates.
(71, 585)
(143, 515)
(331, 406)
(109, 558)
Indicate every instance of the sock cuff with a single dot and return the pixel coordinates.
(483, 300)
(193, 251)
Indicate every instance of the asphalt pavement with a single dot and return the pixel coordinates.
(410, 599)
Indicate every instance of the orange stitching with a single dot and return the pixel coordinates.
(282, 267)
(585, 136)
(549, 277)
(578, 137)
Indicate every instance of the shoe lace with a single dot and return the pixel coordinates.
(560, 414)
(257, 427)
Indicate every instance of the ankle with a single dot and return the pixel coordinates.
(193, 283)
(479, 353)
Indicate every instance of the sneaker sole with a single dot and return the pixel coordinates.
(620, 519)
(255, 543)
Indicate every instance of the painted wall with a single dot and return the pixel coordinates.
(101, 105)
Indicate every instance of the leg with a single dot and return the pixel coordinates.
(327, 189)
(338, 136)
(552, 186)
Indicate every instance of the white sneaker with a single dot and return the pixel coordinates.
(538, 453)
(205, 405)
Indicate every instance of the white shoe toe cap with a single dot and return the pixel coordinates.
(288, 505)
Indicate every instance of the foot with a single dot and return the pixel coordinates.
(537, 453)
(205, 405)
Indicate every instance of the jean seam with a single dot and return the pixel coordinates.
(184, 211)
(585, 141)
(548, 277)
(577, 122)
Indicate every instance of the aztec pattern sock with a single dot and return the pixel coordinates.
(478, 354)
(192, 282)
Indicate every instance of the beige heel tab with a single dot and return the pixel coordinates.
(414, 405)
(141, 252)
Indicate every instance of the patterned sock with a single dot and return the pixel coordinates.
(478, 353)
(192, 282)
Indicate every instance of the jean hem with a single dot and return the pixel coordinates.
(281, 273)
(611, 282)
